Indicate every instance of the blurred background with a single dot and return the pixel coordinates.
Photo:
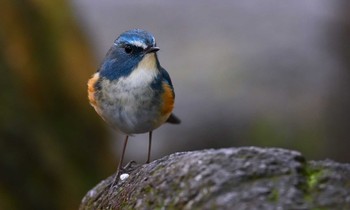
(246, 73)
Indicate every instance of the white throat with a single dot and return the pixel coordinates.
(144, 73)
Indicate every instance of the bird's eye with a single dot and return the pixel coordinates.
(128, 49)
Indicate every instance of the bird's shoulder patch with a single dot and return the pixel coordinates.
(167, 98)
(92, 89)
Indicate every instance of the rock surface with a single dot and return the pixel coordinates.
(232, 178)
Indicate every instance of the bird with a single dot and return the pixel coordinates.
(131, 91)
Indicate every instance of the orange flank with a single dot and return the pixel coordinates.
(91, 89)
(168, 99)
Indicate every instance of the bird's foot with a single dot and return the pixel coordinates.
(129, 167)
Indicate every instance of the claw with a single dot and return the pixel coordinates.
(129, 167)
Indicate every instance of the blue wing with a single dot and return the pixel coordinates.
(166, 78)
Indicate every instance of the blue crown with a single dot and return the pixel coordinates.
(136, 37)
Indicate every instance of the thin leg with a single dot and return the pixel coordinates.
(120, 165)
(123, 153)
(149, 147)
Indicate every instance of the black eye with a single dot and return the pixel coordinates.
(128, 49)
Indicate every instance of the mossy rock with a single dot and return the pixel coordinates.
(232, 178)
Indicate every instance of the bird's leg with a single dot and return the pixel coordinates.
(120, 165)
(149, 147)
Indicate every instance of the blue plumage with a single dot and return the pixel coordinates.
(135, 36)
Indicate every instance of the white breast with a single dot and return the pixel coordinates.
(129, 103)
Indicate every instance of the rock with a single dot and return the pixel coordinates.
(232, 178)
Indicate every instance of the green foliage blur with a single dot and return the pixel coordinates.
(52, 146)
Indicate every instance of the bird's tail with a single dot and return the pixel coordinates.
(173, 119)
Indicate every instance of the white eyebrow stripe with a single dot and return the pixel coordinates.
(138, 44)
(153, 40)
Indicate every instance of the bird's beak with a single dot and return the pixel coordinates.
(152, 49)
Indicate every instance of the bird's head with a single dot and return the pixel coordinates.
(127, 52)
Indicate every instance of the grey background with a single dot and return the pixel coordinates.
(264, 73)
